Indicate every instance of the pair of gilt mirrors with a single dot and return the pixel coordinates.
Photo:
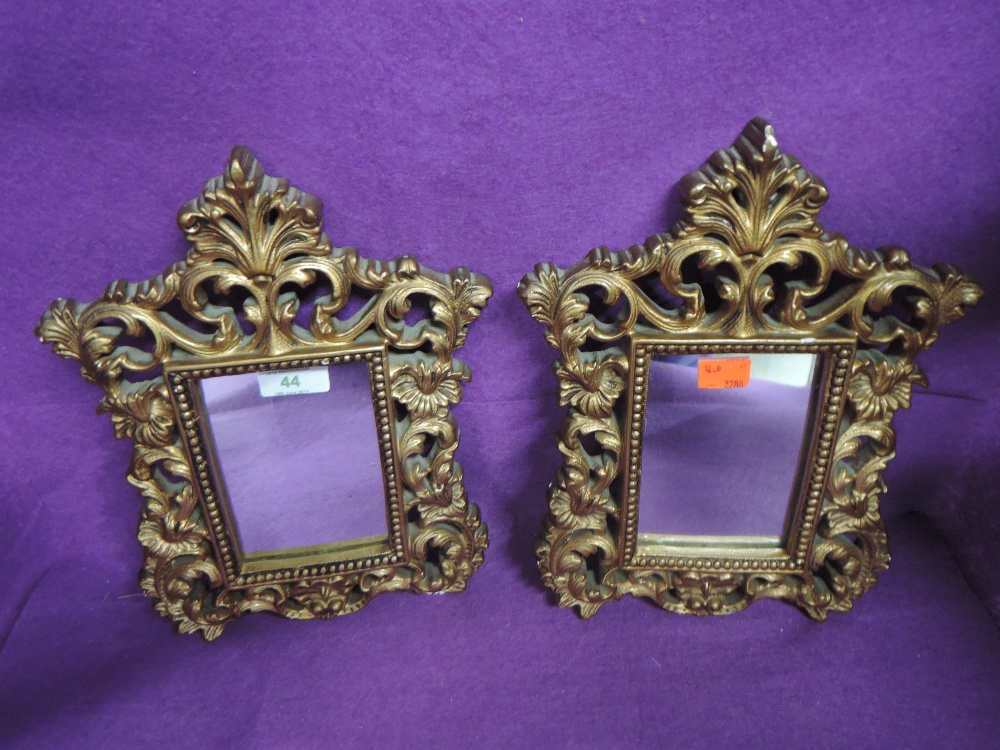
(729, 388)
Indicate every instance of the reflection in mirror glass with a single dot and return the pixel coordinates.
(723, 461)
(298, 455)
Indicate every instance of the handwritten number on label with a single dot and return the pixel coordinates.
(731, 372)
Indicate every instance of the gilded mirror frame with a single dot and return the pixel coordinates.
(747, 268)
(262, 290)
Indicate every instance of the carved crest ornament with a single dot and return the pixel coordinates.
(747, 268)
(262, 289)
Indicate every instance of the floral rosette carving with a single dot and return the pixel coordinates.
(427, 388)
(257, 251)
(880, 385)
(747, 260)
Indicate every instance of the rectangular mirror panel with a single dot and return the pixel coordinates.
(722, 461)
(298, 455)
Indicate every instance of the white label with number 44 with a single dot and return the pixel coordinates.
(294, 382)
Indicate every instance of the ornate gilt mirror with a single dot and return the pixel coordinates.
(289, 404)
(730, 387)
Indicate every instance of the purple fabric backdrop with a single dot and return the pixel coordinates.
(492, 135)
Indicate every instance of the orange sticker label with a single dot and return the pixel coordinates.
(724, 373)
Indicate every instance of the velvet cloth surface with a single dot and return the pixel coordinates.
(495, 136)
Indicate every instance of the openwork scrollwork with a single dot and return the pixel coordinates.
(262, 283)
(747, 268)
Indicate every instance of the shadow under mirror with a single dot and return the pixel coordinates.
(724, 437)
(298, 456)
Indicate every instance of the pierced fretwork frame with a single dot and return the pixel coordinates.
(748, 262)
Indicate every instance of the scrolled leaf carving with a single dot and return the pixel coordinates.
(257, 251)
(251, 220)
(748, 261)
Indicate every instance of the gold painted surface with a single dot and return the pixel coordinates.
(747, 268)
(257, 251)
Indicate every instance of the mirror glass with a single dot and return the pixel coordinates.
(723, 461)
(298, 455)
